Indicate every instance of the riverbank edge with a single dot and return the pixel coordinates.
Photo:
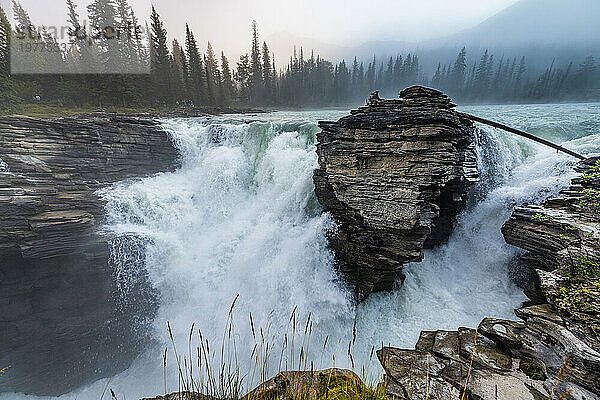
(44, 111)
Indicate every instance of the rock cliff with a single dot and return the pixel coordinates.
(562, 240)
(501, 359)
(394, 174)
(61, 322)
(523, 359)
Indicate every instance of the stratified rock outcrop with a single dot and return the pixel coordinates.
(523, 359)
(562, 239)
(394, 174)
(508, 360)
(61, 323)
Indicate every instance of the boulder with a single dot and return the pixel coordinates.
(394, 174)
(501, 359)
(309, 385)
(333, 383)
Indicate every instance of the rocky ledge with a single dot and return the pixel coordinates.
(61, 322)
(562, 240)
(553, 350)
(394, 174)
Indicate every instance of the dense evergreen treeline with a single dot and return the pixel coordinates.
(183, 74)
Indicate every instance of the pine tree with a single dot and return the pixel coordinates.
(180, 71)
(23, 22)
(498, 79)
(343, 83)
(213, 76)
(27, 33)
(161, 63)
(103, 20)
(482, 78)
(388, 81)
(6, 87)
(518, 86)
(275, 79)
(380, 77)
(398, 78)
(267, 75)
(77, 38)
(436, 81)
(243, 77)
(142, 56)
(127, 35)
(370, 76)
(585, 76)
(414, 70)
(5, 32)
(196, 77)
(355, 78)
(458, 71)
(227, 88)
(73, 19)
(256, 79)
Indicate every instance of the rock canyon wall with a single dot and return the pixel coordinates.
(61, 320)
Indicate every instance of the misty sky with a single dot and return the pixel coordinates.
(226, 23)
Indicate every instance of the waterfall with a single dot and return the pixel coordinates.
(240, 218)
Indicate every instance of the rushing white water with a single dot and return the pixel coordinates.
(240, 218)
(3, 167)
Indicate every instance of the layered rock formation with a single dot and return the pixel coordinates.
(562, 239)
(61, 322)
(394, 174)
(508, 360)
(524, 359)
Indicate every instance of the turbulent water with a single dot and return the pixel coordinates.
(3, 167)
(240, 218)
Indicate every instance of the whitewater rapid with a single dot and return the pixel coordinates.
(239, 219)
(3, 167)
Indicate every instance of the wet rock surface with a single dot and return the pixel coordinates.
(394, 174)
(525, 359)
(501, 359)
(61, 321)
(562, 240)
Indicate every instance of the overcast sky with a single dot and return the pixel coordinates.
(226, 23)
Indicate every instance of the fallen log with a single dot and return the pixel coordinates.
(522, 134)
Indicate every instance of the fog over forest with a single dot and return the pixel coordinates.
(530, 51)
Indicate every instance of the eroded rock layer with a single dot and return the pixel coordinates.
(554, 350)
(61, 322)
(394, 174)
(562, 239)
(501, 360)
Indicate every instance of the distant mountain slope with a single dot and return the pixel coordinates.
(537, 22)
(542, 30)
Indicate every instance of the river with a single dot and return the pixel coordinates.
(239, 219)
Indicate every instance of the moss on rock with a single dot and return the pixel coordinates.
(532, 369)
(341, 387)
